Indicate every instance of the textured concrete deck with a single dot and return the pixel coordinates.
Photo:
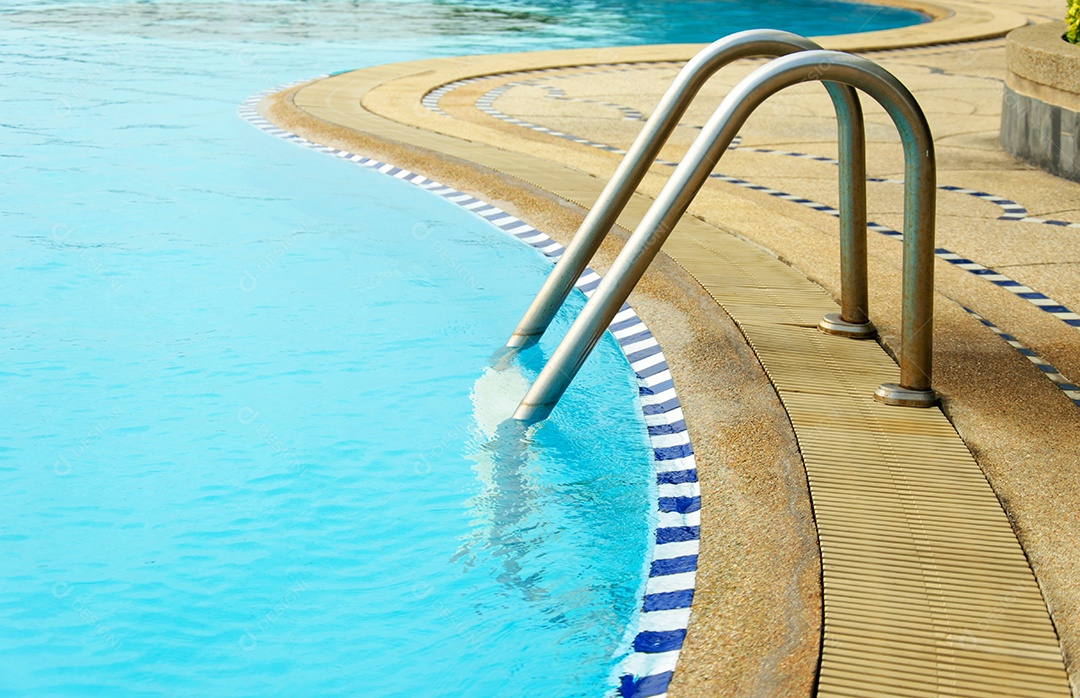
(926, 588)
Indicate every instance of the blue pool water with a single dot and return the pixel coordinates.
(242, 453)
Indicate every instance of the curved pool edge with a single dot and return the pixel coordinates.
(753, 472)
(951, 22)
(396, 131)
(664, 612)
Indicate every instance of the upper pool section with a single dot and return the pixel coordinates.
(461, 26)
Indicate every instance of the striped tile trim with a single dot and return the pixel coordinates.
(1071, 390)
(669, 588)
(486, 104)
(1039, 300)
(431, 100)
(1012, 209)
(1036, 298)
(629, 113)
(487, 100)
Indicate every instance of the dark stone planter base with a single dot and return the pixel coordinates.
(1043, 134)
(1040, 115)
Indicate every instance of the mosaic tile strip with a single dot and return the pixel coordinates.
(1071, 390)
(1011, 210)
(669, 588)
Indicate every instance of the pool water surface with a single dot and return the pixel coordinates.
(246, 451)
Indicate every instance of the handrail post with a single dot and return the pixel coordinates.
(644, 244)
(643, 152)
(853, 320)
(917, 317)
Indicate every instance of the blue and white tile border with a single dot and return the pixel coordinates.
(1064, 384)
(1011, 211)
(669, 589)
(431, 100)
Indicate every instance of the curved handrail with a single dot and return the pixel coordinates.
(707, 149)
(644, 150)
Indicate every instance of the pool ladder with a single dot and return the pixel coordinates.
(796, 60)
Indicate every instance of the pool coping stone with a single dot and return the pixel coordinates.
(392, 109)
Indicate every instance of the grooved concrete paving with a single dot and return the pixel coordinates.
(923, 577)
(926, 589)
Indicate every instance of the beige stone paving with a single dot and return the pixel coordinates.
(1021, 430)
(1028, 446)
(967, 150)
(750, 471)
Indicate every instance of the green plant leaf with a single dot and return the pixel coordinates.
(1072, 21)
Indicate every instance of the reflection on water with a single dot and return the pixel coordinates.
(522, 507)
(446, 23)
(260, 351)
(507, 522)
(278, 20)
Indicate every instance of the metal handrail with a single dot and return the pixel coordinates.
(852, 321)
(919, 201)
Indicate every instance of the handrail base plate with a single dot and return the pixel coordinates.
(895, 394)
(835, 325)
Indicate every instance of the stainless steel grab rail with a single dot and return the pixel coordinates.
(852, 321)
(919, 201)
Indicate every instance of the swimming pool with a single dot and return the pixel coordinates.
(243, 454)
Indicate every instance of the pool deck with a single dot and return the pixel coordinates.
(847, 548)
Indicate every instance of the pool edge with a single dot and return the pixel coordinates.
(664, 614)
